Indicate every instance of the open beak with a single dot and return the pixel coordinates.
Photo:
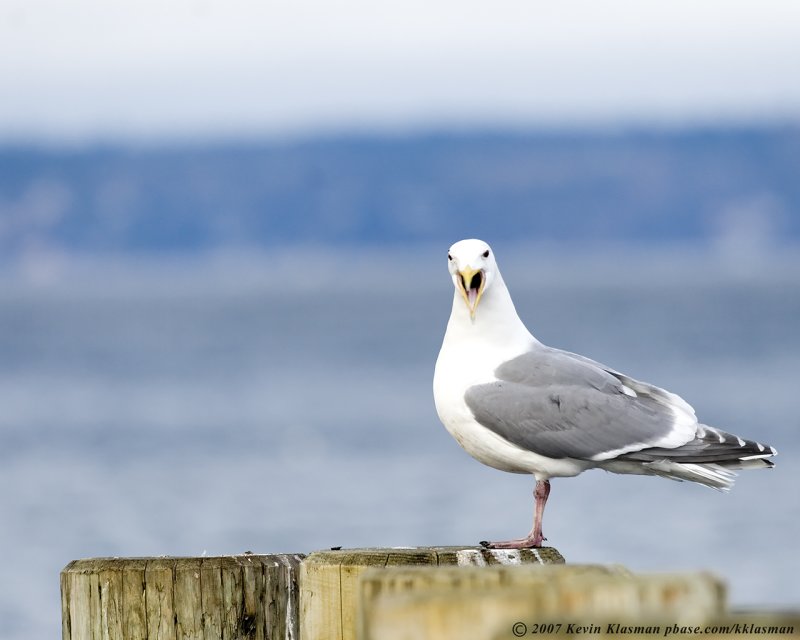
(471, 283)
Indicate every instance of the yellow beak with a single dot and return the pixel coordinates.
(471, 283)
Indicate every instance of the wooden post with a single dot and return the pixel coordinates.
(329, 587)
(513, 601)
(389, 594)
(215, 598)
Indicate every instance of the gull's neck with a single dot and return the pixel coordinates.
(496, 324)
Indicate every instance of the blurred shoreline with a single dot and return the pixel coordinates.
(403, 268)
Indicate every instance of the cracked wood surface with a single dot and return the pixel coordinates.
(209, 598)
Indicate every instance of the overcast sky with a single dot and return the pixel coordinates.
(89, 69)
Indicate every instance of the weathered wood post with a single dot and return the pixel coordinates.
(520, 601)
(213, 598)
(329, 580)
(391, 594)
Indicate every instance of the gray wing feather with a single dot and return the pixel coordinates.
(561, 405)
(710, 446)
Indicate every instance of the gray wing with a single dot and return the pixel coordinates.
(562, 405)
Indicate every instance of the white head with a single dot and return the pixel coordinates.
(473, 269)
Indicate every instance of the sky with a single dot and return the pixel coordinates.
(154, 69)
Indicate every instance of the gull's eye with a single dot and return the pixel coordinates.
(449, 257)
(486, 254)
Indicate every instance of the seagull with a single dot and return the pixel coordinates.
(520, 406)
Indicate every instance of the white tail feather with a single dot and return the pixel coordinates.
(711, 475)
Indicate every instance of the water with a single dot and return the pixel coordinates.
(275, 408)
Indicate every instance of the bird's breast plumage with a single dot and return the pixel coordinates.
(459, 369)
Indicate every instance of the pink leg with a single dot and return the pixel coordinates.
(535, 537)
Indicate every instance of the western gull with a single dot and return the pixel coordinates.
(520, 406)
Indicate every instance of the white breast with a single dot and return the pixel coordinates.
(473, 347)
(457, 370)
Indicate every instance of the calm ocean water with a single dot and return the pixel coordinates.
(165, 411)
